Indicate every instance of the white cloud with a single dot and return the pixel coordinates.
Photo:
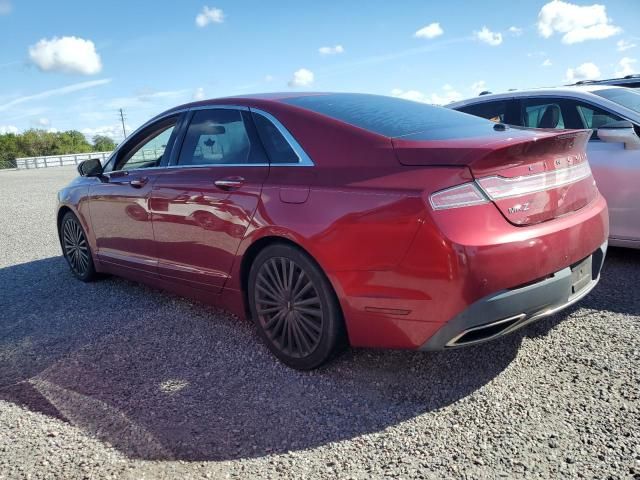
(331, 50)
(576, 23)
(43, 122)
(546, 63)
(8, 129)
(301, 78)
(515, 31)
(269, 78)
(479, 86)
(432, 30)
(487, 36)
(586, 71)
(75, 87)
(198, 94)
(414, 95)
(5, 7)
(67, 55)
(447, 95)
(209, 15)
(113, 131)
(624, 45)
(626, 67)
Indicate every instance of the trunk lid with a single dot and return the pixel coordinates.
(530, 175)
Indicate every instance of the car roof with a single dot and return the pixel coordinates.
(585, 91)
(620, 81)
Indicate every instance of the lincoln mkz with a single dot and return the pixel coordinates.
(344, 219)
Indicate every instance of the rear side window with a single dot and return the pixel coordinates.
(494, 111)
(393, 117)
(278, 148)
(543, 115)
(219, 137)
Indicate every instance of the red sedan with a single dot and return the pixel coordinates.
(334, 219)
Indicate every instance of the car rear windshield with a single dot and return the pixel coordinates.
(627, 98)
(394, 117)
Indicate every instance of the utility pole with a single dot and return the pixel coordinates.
(124, 132)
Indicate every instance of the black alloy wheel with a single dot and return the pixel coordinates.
(75, 248)
(294, 307)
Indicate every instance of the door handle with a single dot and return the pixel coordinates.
(229, 183)
(139, 182)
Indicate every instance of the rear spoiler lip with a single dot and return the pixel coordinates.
(467, 151)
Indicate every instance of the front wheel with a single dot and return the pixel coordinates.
(75, 248)
(294, 307)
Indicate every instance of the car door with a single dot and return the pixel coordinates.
(118, 203)
(616, 170)
(203, 203)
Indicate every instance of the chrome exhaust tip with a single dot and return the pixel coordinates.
(488, 331)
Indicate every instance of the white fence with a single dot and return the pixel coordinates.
(59, 160)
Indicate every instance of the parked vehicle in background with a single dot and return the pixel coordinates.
(612, 113)
(629, 81)
(335, 218)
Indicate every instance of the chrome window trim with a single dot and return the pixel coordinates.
(216, 165)
(220, 107)
(304, 159)
(138, 130)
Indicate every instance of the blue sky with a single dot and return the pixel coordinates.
(73, 64)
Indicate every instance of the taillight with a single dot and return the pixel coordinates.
(463, 195)
(497, 187)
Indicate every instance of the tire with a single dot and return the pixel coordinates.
(76, 249)
(294, 307)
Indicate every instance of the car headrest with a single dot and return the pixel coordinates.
(550, 117)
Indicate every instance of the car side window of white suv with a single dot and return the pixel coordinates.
(594, 118)
(494, 111)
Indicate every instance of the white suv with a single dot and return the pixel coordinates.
(613, 113)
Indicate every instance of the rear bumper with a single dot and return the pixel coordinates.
(504, 312)
(459, 258)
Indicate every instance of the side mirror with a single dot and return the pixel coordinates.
(90, 168)
(620, 132)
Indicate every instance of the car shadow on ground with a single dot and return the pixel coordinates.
(159, 377)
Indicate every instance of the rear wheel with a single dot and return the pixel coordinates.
(294, 307)
(75, 248)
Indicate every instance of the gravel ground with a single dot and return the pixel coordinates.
(113, 379)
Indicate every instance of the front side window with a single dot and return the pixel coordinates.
(147, 149)
(219, 137)
(277, 147)
(594, 118)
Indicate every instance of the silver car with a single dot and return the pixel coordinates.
(613, 113)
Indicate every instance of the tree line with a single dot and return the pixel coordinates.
(36, 143)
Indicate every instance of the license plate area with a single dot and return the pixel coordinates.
(581, 275)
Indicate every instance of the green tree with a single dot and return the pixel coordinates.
(102, 143)
(36, 143)
(8, 150)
